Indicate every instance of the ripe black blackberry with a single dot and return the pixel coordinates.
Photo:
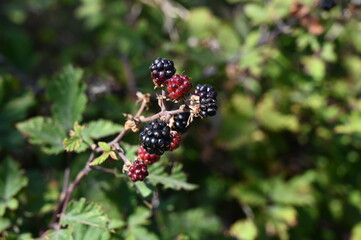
(208, 100)
(327, 4)
(160, 70)
(180, 121)
(156, 137)
(138, 171)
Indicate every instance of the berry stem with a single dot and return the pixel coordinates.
(125, 159)
(160, 114)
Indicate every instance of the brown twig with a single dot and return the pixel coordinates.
(106, 170)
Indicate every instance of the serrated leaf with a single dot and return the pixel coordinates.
(82, 232)
(72, 144)
(99, 160)
(12, 180)
(104, 146)
(75, 142)
(45, 132)
(61, 234)
(67, 94)
(101, 128)
(176, 180)
(87, 213)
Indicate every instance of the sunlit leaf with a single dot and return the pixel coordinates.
(67, 94)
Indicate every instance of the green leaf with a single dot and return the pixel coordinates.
(44, 132)
(99, 160)
(61, 234)
(68, 97)
(196, 223)
(87, 213)
(257, 13)
(272, 119)
(75, 142)
(144, 190)
(101, 128)
(4, 224)
(356, 232)
(244, 229)
(315, 67)
(82, 232)
(175, 180)
(139, 217)
(12, 180)
(104, 146)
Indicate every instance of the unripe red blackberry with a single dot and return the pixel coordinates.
(180, 122)
(178, 86)
(327, 4)
(208, 100)
(176, 140)
(138, 171)
(160, 70)
(146, 157)
(156, 137)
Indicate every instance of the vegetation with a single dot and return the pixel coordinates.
(280, 160)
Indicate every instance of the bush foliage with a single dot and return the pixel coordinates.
(280, 160)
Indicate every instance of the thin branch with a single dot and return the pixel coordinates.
(106, 170)
(160, 114)
(125, 159)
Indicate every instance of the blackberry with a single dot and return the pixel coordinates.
(176, 141)
(178, 86)
(160, 70)
(156, 137)
(208, 100)
(327, 4)
(146, 157)
(138, 171)
(180, 121)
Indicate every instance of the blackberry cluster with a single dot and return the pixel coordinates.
(208, 100)
(327, 4)
(146, 157)
(178, 86)
(161, 70)
(180, 122)
(138, 171)
(176, 141)
(156, 137)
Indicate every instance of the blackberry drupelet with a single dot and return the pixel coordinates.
(180, 121)
(160, 70)
(327, 4)
(176, 140)
(146, 157)
(138, 171)
(156, 137)
(208, 100)
(178, 85)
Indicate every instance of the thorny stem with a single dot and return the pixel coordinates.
(65, 196)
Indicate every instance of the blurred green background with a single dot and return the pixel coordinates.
(280, 160)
